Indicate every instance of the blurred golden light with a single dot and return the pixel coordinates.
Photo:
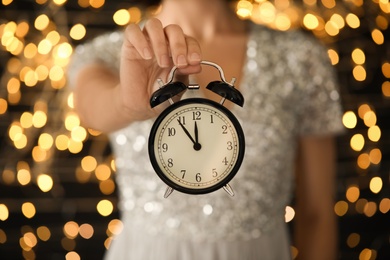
(310, 21)
(384, 205)
(59, 2)
(79, 133)
(45, 141)
(363, 161)
(30, 78)
(13, 85)
(88, 163)
(267, 12)
(349, 119)
(72, 255)
(363, 109)
(68, 244)
(53, 37)
(3, 106)
(359, 73)
(289, 215)
(20, 141)
(56, 73)
(43, 233)
(115, 227)
(8, 176)
(86, 231)
(70, 100)
(358, 56)
(102, 172)
(375, 156)
(39, 119)
(4, 213)
(71, 121)
(44, 47)
(38, 154)
(30, 239)
(62, 142)
(23, 176)
(244, 8)
(41, 72)
(331, 28)
(105, 207)
(341, 208)
(64, 50)
(377, 37)
(333, 56)
(41, 22)
(28, 210)
(329, 3)
(374, 133)
(82, 176)
(386, 69)
(353, 240)
(370, 209)
(121, 17)
(71, 229)
(338, 20)
(352, 20)
(74, 146)
(107, 187)
(376, 185)
(30, 51)
(77, 32)
(22, 29)
(382, 22)
(357, 142)
(369, 118)
(352, 193)
(282, 22)
(360, 204)
(14, 130)
(6, 2)
(135, 14)
(96, 3)
(3, 237)
(385, 89)
(45, 182)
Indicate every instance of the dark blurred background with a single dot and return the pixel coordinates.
(57, 189)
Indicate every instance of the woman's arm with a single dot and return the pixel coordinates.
(316, 226)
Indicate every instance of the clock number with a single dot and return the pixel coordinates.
(164, 147)
(170, 162)
(225, 161)
(215, 173)
(171, 131)
(224, 129)
(229, 145)
(198, 178)
(196, 115)
(184, 173)
(182, 120)
(212, 119)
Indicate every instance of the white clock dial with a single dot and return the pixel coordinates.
(197, 146)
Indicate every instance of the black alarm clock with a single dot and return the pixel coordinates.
(196, 145)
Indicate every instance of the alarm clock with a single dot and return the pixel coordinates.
(196, 145)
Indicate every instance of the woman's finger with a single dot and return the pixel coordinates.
(177, 45)
(155, 32)
(136, 43)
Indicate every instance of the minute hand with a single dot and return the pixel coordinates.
(186, 131)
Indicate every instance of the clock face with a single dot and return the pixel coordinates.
(196, 146)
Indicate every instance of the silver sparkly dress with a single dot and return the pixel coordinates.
(290, 91)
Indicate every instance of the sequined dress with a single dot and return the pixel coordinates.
(290, 91)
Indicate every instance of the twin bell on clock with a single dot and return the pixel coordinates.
(196, 145)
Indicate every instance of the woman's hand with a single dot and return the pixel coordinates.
(148, 54)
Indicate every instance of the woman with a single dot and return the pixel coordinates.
(291, 112)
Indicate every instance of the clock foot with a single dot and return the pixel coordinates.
(168, 192)
(229, 190)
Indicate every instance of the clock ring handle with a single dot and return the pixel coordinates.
(204, 62)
